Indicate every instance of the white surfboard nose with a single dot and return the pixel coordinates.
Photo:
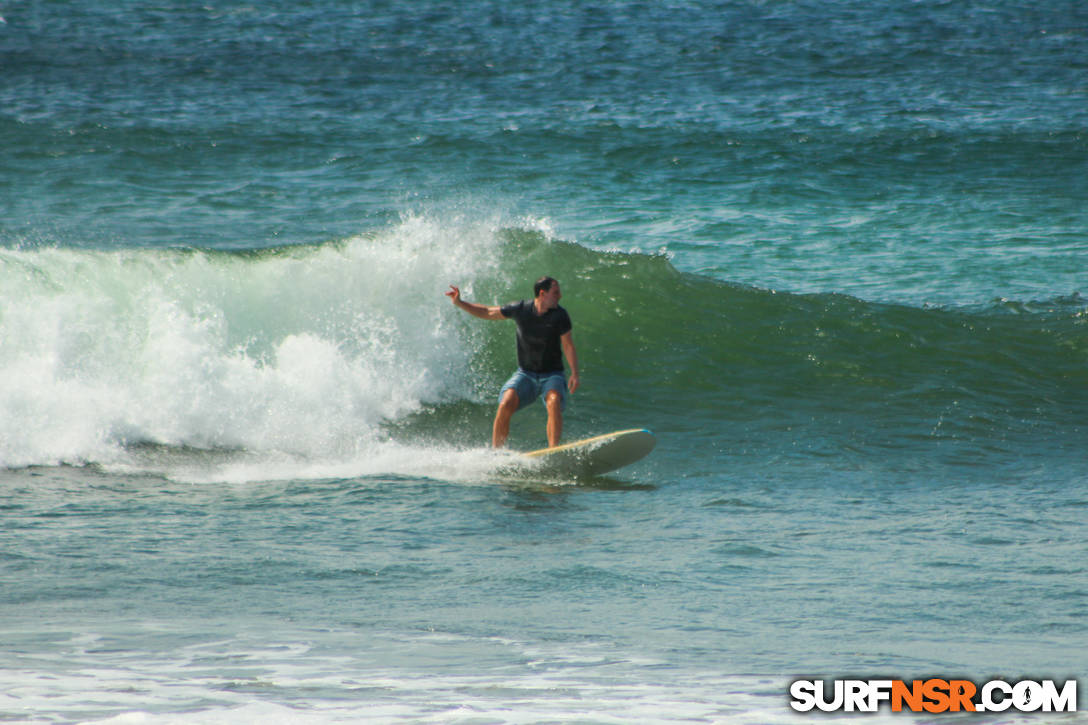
(597, 455)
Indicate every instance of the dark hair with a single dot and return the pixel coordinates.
(542, 285)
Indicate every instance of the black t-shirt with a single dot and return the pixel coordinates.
(539, 350)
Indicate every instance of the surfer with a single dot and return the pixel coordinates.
(543, 333)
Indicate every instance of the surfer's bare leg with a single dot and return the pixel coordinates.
(507, 407)
(554, 402)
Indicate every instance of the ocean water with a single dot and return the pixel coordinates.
(832, 254)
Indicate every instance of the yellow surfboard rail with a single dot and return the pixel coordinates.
(584, 442)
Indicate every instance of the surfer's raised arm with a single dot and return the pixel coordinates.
(484, 312)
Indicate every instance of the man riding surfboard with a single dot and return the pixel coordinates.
(543, 339)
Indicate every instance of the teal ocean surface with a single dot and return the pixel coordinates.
(832, 254)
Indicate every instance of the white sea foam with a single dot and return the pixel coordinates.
(295, 355)
(372, 458)
(352, 676)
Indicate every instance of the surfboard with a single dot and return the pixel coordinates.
(593, 456)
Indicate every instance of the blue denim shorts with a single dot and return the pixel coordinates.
(530, 386)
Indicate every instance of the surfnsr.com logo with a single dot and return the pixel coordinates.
(933, 696)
